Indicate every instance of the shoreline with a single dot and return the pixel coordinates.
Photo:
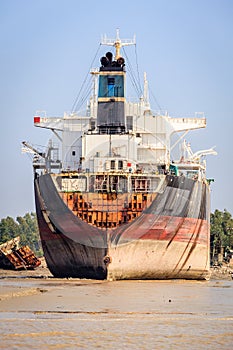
(225, 272)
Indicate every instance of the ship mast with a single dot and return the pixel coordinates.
(118, 43)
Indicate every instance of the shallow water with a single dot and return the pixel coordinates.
(75, 314)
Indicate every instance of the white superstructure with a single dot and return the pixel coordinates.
(140, 140)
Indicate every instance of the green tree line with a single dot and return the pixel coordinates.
(221, 232)
(26, 227)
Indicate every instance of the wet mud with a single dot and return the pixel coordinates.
(40, 312)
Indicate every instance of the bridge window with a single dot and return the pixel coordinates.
(111, 86)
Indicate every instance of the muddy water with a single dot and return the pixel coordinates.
(74, 314)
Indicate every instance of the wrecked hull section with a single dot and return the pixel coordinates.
(16, 257)
(155, 245)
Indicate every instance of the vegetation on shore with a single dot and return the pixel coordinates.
(221, 232)
(221, 235)
(26, 227)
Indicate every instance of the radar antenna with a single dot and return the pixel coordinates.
(117, 42)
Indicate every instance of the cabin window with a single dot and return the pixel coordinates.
(120, 164)
(112, 164)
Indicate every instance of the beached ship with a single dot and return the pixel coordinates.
(110, 202)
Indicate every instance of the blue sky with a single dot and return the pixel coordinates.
(47, 46)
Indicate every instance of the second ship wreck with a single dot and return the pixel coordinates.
(113, 205)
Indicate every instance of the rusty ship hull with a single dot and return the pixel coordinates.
(170, 238)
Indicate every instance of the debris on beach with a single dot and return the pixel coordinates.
(14, 257)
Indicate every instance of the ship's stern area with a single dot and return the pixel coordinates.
(162, 235)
